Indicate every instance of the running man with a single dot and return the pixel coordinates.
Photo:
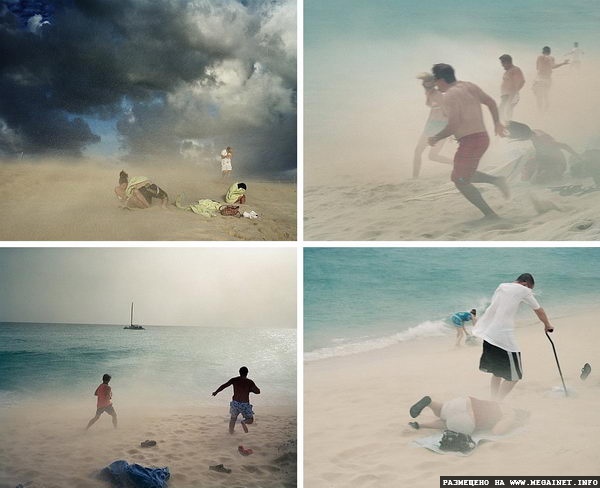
(459, 319)
(501, 355)
(104, 403)
(462, 104)
(240, 402)
(512, 82)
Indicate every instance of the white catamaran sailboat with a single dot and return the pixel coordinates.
(131, 326)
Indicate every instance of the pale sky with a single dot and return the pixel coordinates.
(227, 287)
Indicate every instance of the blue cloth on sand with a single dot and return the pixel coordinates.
(124, 475)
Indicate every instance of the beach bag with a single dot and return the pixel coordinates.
(230, 210)
(455, 441)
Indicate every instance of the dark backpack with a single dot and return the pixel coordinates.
(455, 441)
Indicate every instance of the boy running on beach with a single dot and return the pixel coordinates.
(240, 404)
(104, 404)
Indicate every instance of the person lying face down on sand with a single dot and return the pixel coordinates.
(462, 104)
(466, 415)
(501, 355)
(240, 402)
(548, 163)
(104, 403)
(139, 192)
(236, 193)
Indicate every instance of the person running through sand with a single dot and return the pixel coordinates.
(226, 157)
(462, 104)
(544, 65)
(436, 121)
(459, 319)
(466, 415)
(548, 163)
(512, 82)
(501, 355)
(240, 402)
(139, 192)
(104, 402)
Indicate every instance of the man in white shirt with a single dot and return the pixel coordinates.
(501, 355)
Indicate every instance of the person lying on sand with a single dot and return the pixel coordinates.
(139, 192)
(236, 193)
(104, 403)
(466, 415)
(548, 163)
(240, 402)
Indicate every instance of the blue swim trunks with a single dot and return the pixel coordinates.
(235, 408)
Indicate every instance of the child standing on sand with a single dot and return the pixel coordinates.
(104, 404)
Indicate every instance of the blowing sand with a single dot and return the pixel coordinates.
(75, 202)
(356, 411)
(431, 208)
(49, 448)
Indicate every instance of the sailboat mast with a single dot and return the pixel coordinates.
(131, 321)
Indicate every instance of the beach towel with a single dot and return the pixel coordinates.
(135, 183)
(432, 442)
(121, 474)
(234, 193)
(205, 207)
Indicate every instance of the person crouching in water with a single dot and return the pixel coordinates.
(139, 191)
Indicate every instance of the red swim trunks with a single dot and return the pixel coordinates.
(470, 150)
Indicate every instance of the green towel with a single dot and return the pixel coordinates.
(234, 193)
(134, 183)
(205, 207)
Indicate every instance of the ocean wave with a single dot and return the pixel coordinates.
(435, 328)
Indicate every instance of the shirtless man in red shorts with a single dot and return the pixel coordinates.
(462, 104)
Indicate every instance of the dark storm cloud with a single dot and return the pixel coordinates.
(166, 70)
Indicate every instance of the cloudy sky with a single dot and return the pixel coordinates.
(229, 287)
(144, 78)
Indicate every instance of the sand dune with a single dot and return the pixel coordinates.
(75, 202)
(356, 411)
(49, 448)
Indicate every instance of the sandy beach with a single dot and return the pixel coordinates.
(432, 209)
(48, 447)
(356, 410)
(61, 201)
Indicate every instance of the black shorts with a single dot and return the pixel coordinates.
(153, 191)
(109, 410)
(501, 363)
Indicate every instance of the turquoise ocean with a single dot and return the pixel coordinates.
(361, 299)
(163, 365)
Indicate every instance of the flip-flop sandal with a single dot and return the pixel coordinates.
(148, 443)
(585, 371)
(418, 407)
(220, 468)
(244, 451)
(414, 425)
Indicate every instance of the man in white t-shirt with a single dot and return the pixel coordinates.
(226, 156)
(501, 355)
